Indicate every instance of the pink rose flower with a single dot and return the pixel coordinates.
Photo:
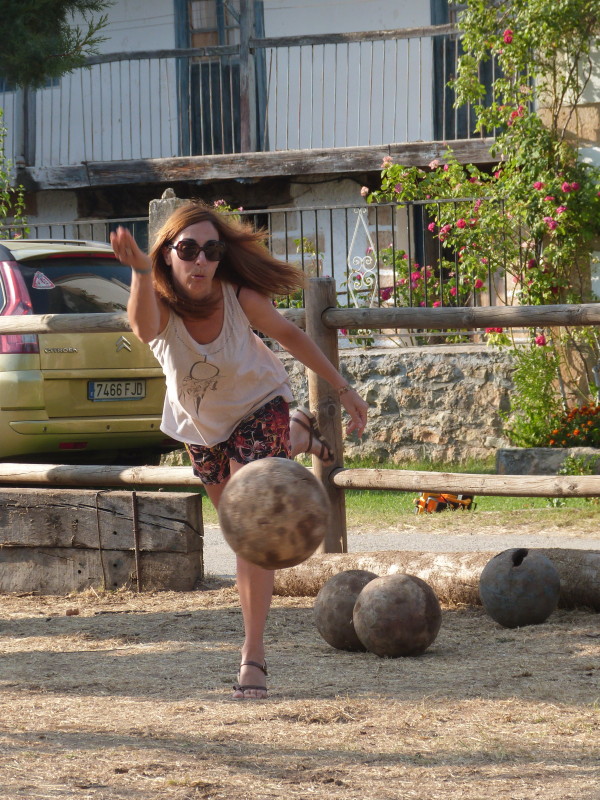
(415, 276)
(551, 223)
(387, 162)
(461, 223)
(478, 283)
(538, 185)
(437, 304)
(446, 167)
(574, 186)
(434, 164)
(484, 260)
(507, 36)
(566, 187)
(561, 210)
(532, 263)
(453, 291)
(364, 191)
(386, 293)
(540, 340)
(549, 198)
(398, 188)
(431, 226)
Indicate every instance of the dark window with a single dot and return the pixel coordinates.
(76, 285)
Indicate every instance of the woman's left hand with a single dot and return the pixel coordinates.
(357, 408)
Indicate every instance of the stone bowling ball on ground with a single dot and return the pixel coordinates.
(274, 513)
(397, 615)
(519, 587)
(334, 606)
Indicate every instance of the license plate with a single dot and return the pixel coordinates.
(116, 390)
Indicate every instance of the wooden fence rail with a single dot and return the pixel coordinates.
(373, 318)
(321, 318)
(115, 476)
(465, 483)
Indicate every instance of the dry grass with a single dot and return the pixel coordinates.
(130, 699)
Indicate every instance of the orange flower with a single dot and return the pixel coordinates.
(576, 432)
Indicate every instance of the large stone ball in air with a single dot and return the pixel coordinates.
(519, 587)
(334, 607)
(274, 513)
(397, 615)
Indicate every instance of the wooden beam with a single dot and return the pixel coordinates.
(88, 323)
(350, 38)
(325, 402)
(288, 163)
(373, 318)
(464, 318)
(94, 475)
(458, 483)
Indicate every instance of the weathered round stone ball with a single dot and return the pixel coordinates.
(397, 615)
(274, 513)
(334, 606)
(519, 587)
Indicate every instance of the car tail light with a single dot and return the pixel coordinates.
(17, 301)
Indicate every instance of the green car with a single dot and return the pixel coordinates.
(87, 397)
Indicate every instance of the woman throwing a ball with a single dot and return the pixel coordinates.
(197, 299)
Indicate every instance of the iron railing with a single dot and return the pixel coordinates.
(306, 92)
(379, 255)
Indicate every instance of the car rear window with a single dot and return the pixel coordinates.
(77, 285)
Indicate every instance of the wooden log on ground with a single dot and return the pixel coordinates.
(454, 577)
(56, 541)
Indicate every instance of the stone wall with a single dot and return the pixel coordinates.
(438, 403)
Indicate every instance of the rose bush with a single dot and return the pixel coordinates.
(529, 223)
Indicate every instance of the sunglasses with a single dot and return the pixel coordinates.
(189, 250)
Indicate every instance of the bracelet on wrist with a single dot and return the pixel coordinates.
(343, 389)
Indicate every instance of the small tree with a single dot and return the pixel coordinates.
(43, 42)
(12, 198)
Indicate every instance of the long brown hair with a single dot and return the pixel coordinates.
(247, 261)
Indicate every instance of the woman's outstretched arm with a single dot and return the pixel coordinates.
(263, 316)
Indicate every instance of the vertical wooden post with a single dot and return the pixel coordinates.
(24, 128)
(324, 402)
(247, 82)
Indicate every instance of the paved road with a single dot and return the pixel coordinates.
(219, 559)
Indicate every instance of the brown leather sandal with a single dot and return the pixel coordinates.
(325, 454)
(237, 687)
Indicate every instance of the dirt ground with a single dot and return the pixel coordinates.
(129, 699)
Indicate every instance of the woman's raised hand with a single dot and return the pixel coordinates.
(127, 251)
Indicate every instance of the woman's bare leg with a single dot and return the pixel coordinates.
(255, 589)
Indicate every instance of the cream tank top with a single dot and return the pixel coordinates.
(212, 387)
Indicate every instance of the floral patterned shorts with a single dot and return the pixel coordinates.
(263, 434)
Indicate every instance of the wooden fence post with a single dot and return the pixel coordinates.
(324, 401)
